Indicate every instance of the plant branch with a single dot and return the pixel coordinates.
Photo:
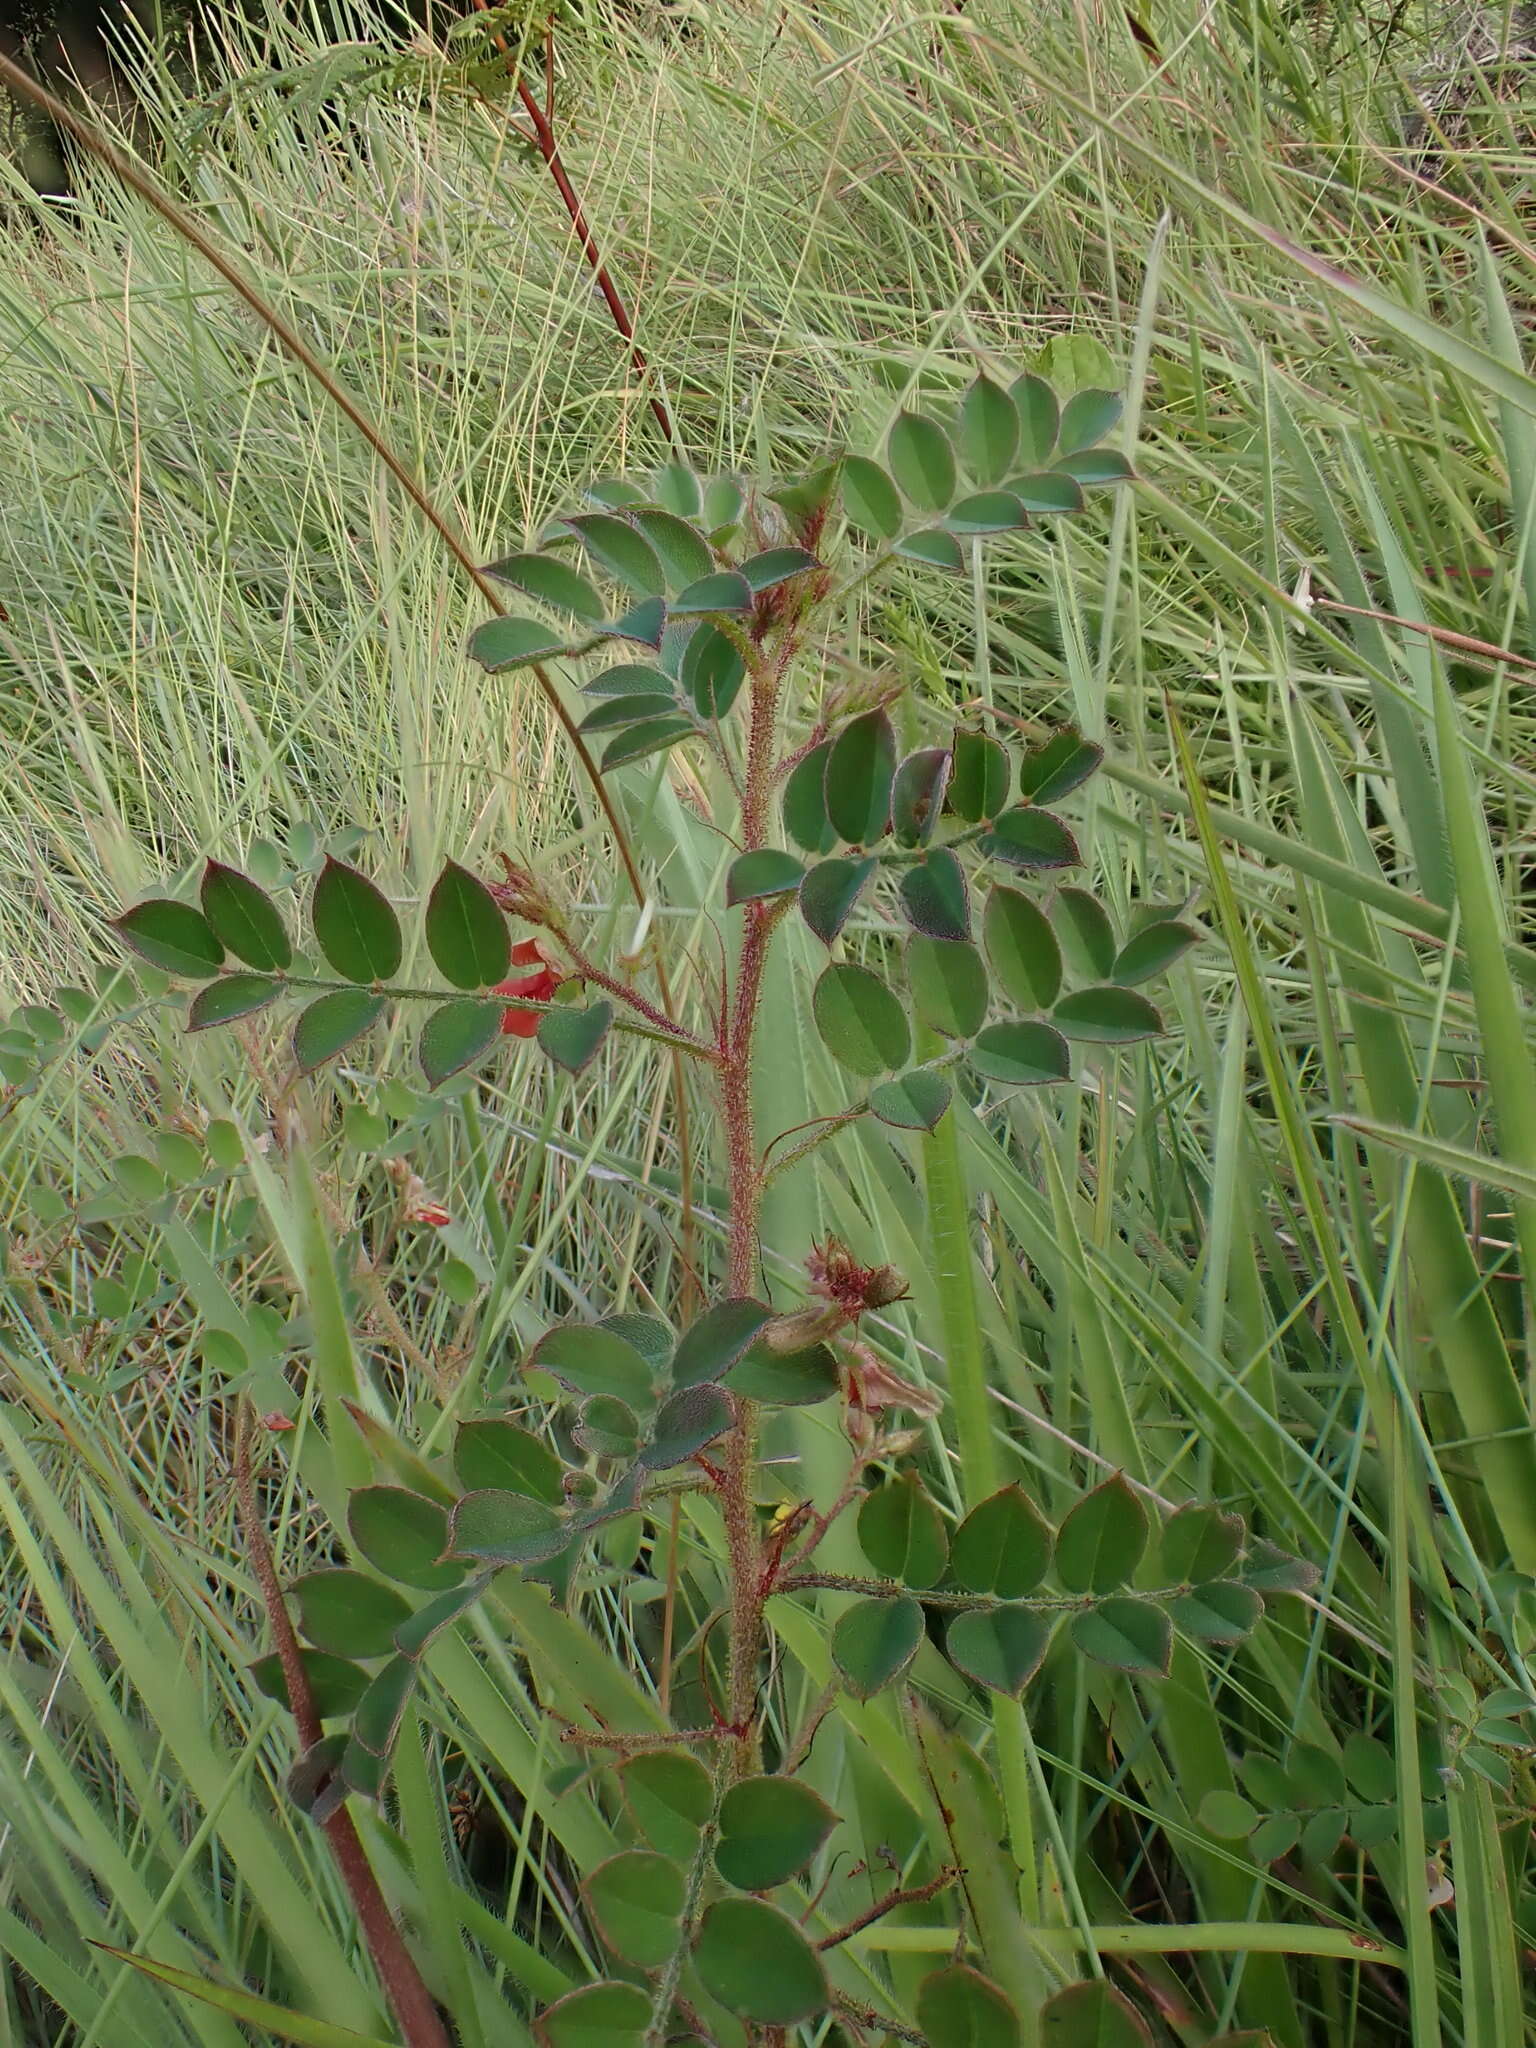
(98, 145)
(910, 1895)
(409, 1998)
(544, 140)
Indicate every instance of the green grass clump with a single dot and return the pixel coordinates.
(1280, 1260)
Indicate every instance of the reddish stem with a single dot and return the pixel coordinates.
(409, 1999)
(549, 149)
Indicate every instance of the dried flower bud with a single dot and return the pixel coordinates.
(873, 1385)
(523, 895)
(837, 1276)
(800, 1331)
(276, 1421)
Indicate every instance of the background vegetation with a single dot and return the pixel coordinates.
(1278, 1259)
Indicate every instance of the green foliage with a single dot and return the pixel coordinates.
(642, 1433)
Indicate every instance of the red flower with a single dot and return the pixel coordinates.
(538, 988)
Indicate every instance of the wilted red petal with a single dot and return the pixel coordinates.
(525, 952)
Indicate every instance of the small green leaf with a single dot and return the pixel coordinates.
(1073, 362)
(1035, 403)
(720, 1338)
(1227, 1815)
(456, 1035)
(987, 512)
(1220, 1611)
(172, 936)
(363, 1772)
(637, 1900)
(635, 681)
(795, 1379)
(330, 1023)
(948, 981)
(861, 1020)
(1057, 766)
(770, 1828)
(648, 1335)
(1131, 1635)
(934, 548)
(869, 498)
(1106, 1016)
(573, 1038)
(311, 1779)
(711, 671)
(874, 1641)
(670, 1796)
(1022, 949)
(1269, 1569)
(1370, 1768)
(1047, 491)
(776, 566)
(376, 1722)
(492, 1526)
(860, 768)
(1199, 1543)
(912, 1102)
(508, 643)
(806, 501)
(1087, 938)
(766, 871)
(617, 493)
(1000, 1647)
(1021, 1054)
(1092, 2015)
(685, 554)
(335, 1684)
(677, 488)
(357, 930)
(829, 892)
(1003, 1547)
(245, 918)
(590, 1360)
(466, 931)
(552, 582)
(805, 802)
(685, 1423)
(963, 2009)
(988, 431)
(602, 2015)
(497, 1454)
(403, 1535)
(230, 997)
(1275, 1836)
(1027, 838)
(1087, 417)
(1101, 1542)
(902, 1532)
(349, 1615)
(917, 795)
(724, 503)
(922, 461)
(1097, 466)
(1153, 950)
(650, 736)
(755, 1961)
(616, 711)
(934, 896)
(724, 591)
(644, 623)
(625, 553)
(978, 783)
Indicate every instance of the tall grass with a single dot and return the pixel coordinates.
(1280, 1259)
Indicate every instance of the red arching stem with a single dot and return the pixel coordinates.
(549, 149)
(409, 1998)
